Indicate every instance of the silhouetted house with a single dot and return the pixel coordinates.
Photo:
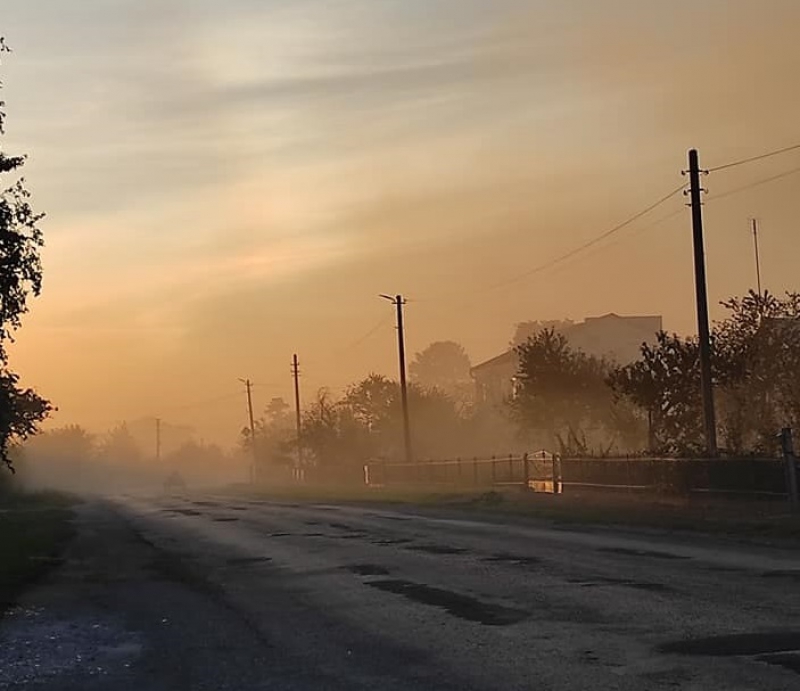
(611, 336)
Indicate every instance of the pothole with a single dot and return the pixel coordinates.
(513, 559)
(641, 553)
(744, 644)
(368, 569)
(246, 561)
(437, 549)
(461, 606)
(787, 574)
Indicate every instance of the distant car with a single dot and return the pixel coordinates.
(175, 484)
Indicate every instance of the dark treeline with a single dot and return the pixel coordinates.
(71, 458)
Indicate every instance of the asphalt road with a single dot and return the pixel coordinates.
(225, 593)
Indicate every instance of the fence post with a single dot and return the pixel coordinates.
(511, 467)
(526, 469)
(787, 444)
(366, 474)
(555, 474)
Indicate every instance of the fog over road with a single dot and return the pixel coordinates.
(217, 592)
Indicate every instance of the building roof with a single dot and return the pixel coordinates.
(508, 358)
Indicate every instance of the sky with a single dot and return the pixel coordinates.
(228, 183)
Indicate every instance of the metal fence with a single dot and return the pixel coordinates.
(544, 472)
(764, 477)
(496, 471)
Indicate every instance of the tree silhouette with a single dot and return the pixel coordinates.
(561, 393)
(445, 366)
(21, 410)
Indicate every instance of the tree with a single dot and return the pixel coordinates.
(445, 366)
(665, 384)
(758, 361)
(21, 410)
(561, 393)
(119, 447)
(63, 457)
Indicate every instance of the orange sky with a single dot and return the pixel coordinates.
(228, 183)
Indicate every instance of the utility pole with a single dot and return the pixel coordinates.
(399, 302)
(758, 260)
(249, 386)
(298, 421)
(158, 439)
(704, 333)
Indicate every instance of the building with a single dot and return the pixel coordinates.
(613, 337)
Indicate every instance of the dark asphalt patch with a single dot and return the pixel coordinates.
(246, 561)
(437, 549)
(737, 644)
(226, 519)
(278, 534)
(461, 606)
(638, 585)
(345, 527)
(790, 661)
(182, 512)
(513, 559)
(792, 575)
(368, 569)
(641, 553)
(392, 541)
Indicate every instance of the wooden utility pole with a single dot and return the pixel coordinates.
(399, 302)
(758, 260)
(249, 386)
(706, 380)
(298, 420)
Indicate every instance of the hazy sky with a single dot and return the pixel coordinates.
(230, 182)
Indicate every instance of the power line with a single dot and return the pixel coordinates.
(752, 159)
(757, 183)
(599, 238)
(635, 233)
(368, 334)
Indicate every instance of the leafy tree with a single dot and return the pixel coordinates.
(197, 461)
(561, 392)
(758, 360)
(119, 447)
(21, 410)
(665, 384)
(444, 365)
(59, 457)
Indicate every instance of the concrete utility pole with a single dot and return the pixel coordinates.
(702, 305)
(399, 302)
(249, 386)
(758, 260)
(298, 421)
